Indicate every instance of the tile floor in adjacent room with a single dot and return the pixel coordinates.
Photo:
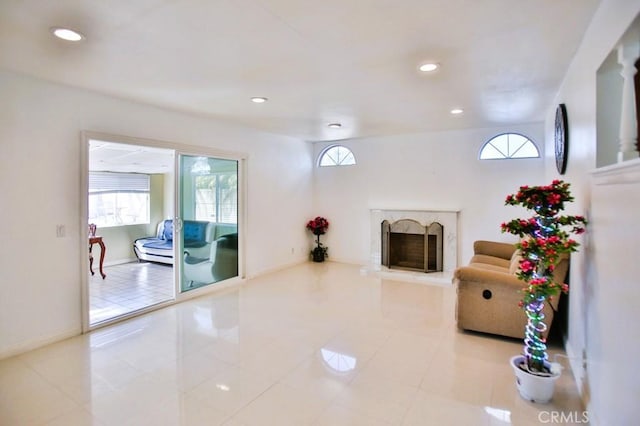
(315, 344)
(127, 288)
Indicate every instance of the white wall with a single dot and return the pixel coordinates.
(168, 196)
(40, 125)
(428, 171)
(603, 301)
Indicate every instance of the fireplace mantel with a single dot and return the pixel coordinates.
(447, 218)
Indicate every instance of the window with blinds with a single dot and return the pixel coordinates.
(117, 199)
(216, 197)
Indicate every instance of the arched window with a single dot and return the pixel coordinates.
(336, 155)
(509, 145)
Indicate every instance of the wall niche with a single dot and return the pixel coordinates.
(618, 101)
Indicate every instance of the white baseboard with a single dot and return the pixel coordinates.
(23, 347)
(117, 262)
(580, 379)
(277, 268)
(575, 362)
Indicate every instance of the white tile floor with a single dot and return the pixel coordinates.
(316, 344)
(128, 288)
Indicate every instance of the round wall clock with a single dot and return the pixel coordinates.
(561, 139)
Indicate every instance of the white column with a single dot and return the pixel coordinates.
(628, 52)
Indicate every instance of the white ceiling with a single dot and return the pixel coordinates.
(105, 156)
(318, 62)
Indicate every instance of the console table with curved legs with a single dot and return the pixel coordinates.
(96, 240)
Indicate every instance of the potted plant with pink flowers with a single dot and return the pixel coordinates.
(544, 239)
(318, 226)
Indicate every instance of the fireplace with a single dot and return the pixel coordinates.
(447, 219)
(406, 244)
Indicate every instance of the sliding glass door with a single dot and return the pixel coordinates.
(159, 223)
(208, 220)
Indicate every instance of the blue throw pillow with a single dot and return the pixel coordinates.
(167, 232)
(194, 231)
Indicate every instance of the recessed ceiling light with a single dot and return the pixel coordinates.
(429, 67)
(67, 34)
(259, 100)
(457, 111)
(334, 125)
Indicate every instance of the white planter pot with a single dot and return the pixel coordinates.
(533, 388)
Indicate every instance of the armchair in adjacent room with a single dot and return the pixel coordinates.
(221, 264)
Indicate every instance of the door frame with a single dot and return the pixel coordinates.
(179, 149)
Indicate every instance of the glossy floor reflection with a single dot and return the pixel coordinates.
(316, 344)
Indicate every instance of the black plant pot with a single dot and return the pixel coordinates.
(318, 254)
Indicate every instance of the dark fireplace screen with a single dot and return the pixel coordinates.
(406, 244)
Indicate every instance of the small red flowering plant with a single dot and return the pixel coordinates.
(318, 226)
(544, 239)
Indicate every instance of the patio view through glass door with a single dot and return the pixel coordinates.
(208, 220)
